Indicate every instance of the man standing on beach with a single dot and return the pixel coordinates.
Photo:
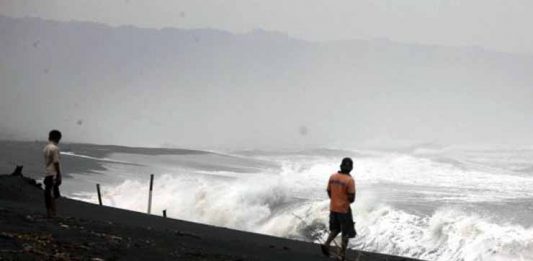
(341, 191)
(52, 175)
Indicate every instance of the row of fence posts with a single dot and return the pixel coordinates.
(149, 211)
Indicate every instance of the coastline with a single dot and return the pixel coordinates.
(29, 155)
(84, 231)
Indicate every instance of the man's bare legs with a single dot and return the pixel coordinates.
(52, 209)
(332, 235)
(344, 245)
(49, 198)
(325, 246)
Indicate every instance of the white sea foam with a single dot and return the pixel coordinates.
(463, 184)
(72, 154)
(448, 234)
(291, 202)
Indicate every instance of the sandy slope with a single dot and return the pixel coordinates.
(86, 231)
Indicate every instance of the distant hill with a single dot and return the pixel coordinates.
(134, 86)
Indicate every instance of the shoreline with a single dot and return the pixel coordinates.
(85, 231)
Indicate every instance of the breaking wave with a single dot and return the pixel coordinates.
(291, 202)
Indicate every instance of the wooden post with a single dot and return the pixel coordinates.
(99, 194)
(17, 171)
(165, 213)
(150, 193)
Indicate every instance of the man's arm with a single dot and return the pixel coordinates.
(57, 167)
(329, 187)
(351, 197)
(58, 171)
(351, 191)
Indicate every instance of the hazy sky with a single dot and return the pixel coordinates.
(494, 24)
(204, 88)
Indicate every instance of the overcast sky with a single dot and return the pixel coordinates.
(493, 24)
(191, 84)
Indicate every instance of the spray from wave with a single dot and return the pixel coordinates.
(292, 203)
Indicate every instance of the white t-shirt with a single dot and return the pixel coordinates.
(51, 156)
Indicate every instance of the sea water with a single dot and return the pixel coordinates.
(446, 203)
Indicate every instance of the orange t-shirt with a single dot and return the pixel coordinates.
(339, 186)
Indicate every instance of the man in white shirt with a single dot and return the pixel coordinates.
(52, 174)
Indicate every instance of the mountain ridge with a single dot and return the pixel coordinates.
(185, 87)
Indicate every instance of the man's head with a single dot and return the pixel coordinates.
(346, 165)
(54, 136)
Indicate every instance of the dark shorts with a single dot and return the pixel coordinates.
(51, 188)
(342, 222)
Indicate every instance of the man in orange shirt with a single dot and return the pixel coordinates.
(341, 191)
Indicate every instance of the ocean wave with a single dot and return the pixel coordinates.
(463, 184)
(292, 203)
(72, 154)
(448, 234)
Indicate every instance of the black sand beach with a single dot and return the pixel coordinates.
(29, 155)
(84, 231)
